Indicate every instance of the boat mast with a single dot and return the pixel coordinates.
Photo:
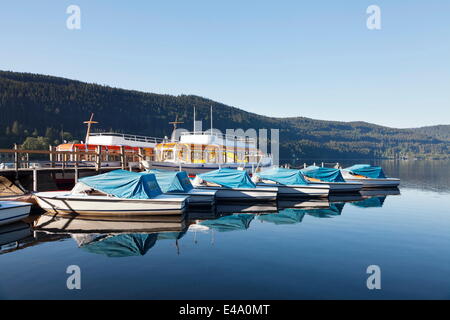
(175, 127)
(194, 119)
(88, 131)
(211, 120)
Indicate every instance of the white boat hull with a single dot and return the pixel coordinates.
(244, 194)
(65, 203)
(60, 224)
(340, 187)
(299, 191)
(303, 204)
(12, 211)
(199, 197)
(376, 183)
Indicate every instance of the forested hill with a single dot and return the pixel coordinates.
(35, 109)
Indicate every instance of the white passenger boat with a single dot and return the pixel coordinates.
(202, 151)
(331, 177)
(178, 183)
(369, 176)
(117, 192)
(290, 183)
(12, 211)
(235, 185)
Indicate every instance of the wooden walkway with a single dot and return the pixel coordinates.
(19, 165)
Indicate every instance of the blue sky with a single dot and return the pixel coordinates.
(278, 58)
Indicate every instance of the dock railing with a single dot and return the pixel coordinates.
(22, 158)
(129, 137)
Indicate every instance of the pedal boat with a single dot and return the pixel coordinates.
(178, 183)
(369, 176)
(331, 177)
(234, 185)
(290, 183)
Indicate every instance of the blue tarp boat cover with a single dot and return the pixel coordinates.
(286, 216)
(323, 174)
(123, 245)
(367, 170)
(233, 222)
(125, 184)
(172, 181)
(229, 178)
(283, 176)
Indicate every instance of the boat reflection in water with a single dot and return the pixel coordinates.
(233, 222)
(335, 209)
(20, 235)
(124, 236)
(12, 235)
(286, 216)
(375, 198)
(122, 245)
(115, 236)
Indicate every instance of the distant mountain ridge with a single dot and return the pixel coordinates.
(41, 106)
(440, 131)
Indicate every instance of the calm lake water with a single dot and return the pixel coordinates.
(317, 251)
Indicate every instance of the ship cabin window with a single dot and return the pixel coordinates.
(196, 156)
(167, 155)
(211, 156)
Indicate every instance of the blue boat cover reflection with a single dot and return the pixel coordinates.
(233, 222)
(373, 202)
(286, 216)
(335, 209)
(127, 245)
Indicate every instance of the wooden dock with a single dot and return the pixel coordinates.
(39, 174)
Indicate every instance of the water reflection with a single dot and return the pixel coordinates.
(428, 175)
(234, 222)
(122, 245)
(136, 236)
(335, 209)
(286, 216)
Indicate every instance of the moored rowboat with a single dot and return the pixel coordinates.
(117, 192)
(234, 185)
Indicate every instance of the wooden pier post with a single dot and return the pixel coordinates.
(98, 163)
(35, 180)
(122, 157)
(51, 157)
(76, 174)
(16, 158)
(140, 157)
